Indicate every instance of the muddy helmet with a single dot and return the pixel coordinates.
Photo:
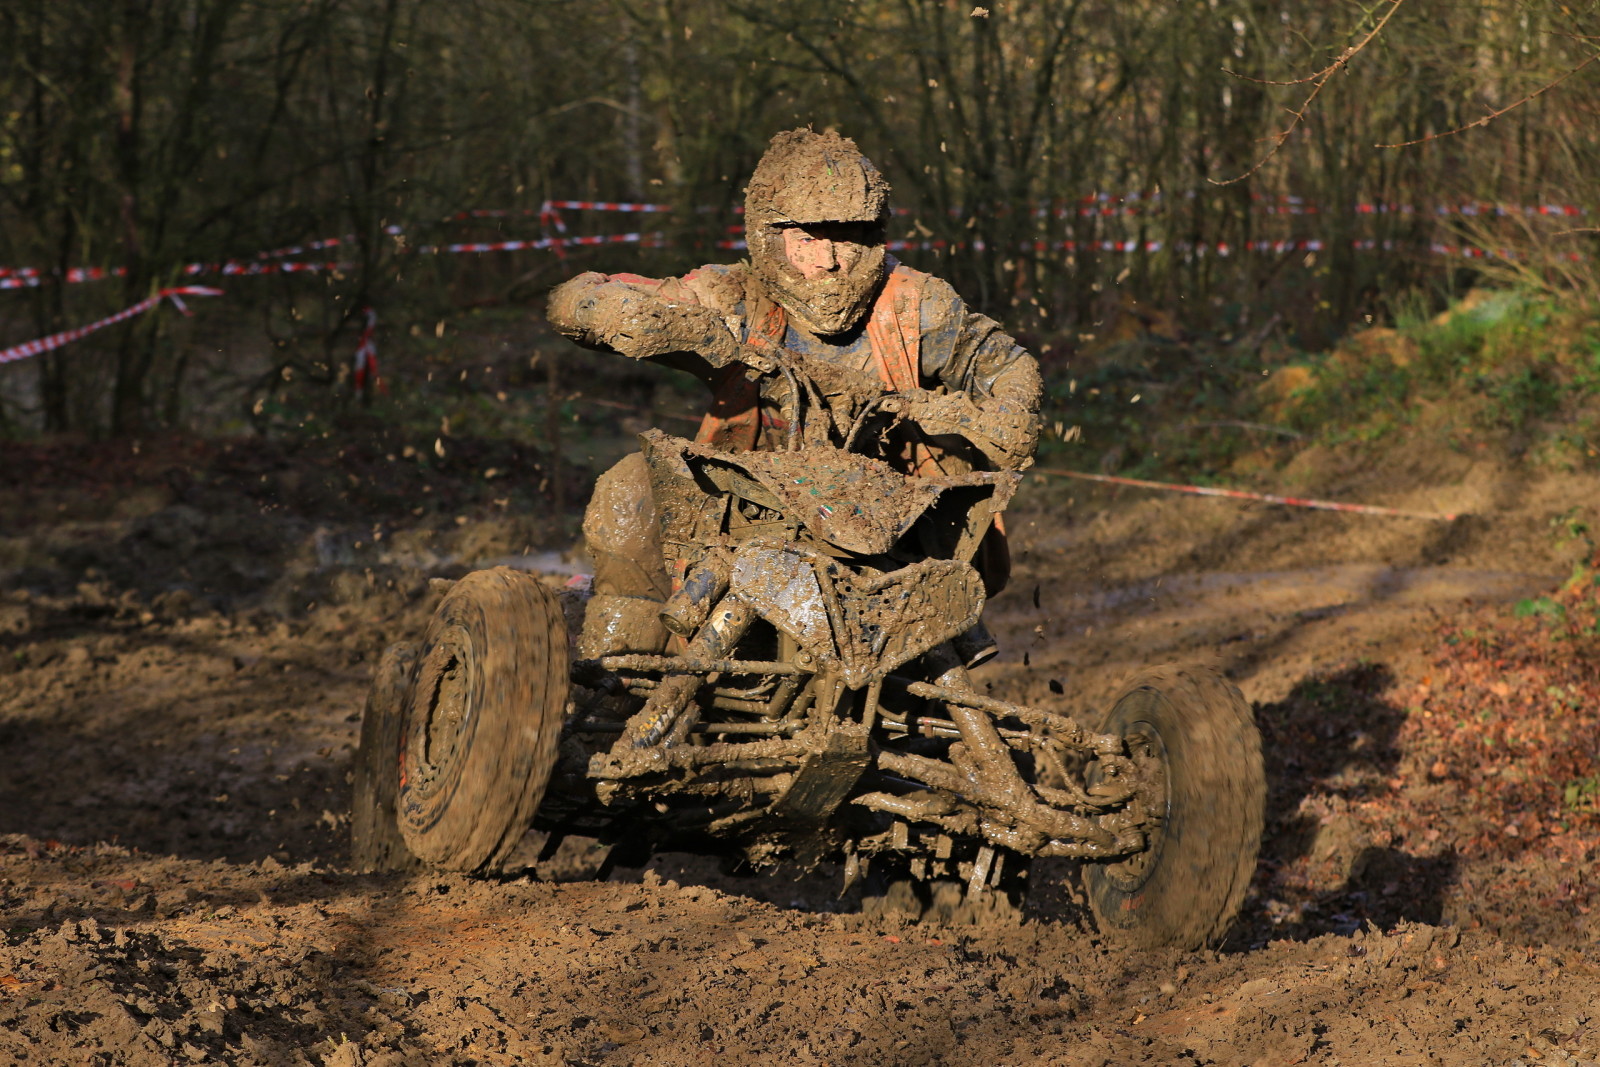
(805, 178)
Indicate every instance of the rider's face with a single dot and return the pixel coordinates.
(825, 248)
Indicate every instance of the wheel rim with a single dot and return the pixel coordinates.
(447, 717)
(1148, 751)
(1152, 789)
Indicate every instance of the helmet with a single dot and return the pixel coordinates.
(804, 178)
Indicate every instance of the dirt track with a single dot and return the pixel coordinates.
(180, 680)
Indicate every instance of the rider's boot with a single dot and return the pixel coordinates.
(630, 579)
(613, 625)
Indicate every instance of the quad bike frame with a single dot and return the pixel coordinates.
(813, 702)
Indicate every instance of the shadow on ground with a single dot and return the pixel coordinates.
(1330, 745)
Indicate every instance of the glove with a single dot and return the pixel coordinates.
(571, 305)
(1002, 432)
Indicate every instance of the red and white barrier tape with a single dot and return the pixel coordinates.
(366, 354)
(366, 360)
(549, 218)
(54, 341)
(1222, 248)
(606, 205)
(17, 276)
(550, 207)
(278, 261)
(31, 278)
(27, 277)
(318, 246)
(235, 268)
(274, 262)
(1241, 494)
(300, 250)
(541, 243)
(1094, 204)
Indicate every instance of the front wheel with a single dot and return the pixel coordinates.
(375, 841)
(1197, 752)
(482, 719)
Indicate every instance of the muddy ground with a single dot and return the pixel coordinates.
(186, 634)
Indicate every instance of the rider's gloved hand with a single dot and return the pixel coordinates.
(1001, 431)
(571, 306)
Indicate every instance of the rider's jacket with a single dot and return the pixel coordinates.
(917, 335)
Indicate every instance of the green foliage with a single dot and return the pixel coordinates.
(1505, 363)
(1505, 369)
(1544, 607)
(1570, 526)
(1582, 795)
(1572, 613)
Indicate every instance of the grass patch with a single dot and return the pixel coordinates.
(1514, 373)
(1500, 366)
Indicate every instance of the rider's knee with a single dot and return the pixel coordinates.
(619, 528)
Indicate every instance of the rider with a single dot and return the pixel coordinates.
(820, 288)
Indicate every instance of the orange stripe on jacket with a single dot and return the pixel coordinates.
(894, 334)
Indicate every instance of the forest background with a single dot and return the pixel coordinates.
(1060, 162)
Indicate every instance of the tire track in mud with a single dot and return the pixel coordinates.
(1268, 629)
(266, 964)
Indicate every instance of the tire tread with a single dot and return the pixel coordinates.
(1218, 799)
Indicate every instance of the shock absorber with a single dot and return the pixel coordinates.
(723, 628)
(703, 586)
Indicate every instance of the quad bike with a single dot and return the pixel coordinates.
(814, 703)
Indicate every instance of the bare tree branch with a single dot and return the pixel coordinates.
(1484, 120)
(1317, 80)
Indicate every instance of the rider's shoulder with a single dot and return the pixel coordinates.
(929, 288)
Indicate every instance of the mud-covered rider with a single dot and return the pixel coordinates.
(821, 290)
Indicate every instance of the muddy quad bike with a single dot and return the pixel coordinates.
(813, 703)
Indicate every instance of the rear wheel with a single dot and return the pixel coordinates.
(482, 718)
(1197, 752)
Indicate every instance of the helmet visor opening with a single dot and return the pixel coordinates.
(855, 233)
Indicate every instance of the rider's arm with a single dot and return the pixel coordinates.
(994, 384)
(1004, 380)
(659, 320)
